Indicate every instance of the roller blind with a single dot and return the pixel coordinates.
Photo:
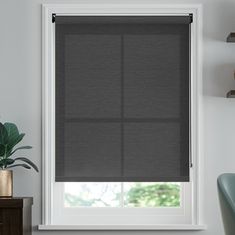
(122, 98)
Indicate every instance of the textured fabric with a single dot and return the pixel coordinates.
(123, 19)
(122, 98)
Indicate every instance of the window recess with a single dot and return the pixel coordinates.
(57, 213)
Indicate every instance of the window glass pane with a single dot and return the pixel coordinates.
(122, 194)
(151, 194)
(92, 194)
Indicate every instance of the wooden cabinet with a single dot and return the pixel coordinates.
(15, 216)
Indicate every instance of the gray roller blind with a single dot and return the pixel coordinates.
(122, 98)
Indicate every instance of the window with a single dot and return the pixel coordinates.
(107, 117)
(111, 205)
(124, 195)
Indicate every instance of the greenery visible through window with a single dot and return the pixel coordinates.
(122, 194)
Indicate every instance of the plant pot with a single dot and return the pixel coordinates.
(6, 183)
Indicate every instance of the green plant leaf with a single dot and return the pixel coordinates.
(9, 138)
(22, 147)
(20, 137)
(23, 165)
(2, 149)
(5, 162)
(12, 131)
(27, 161)
(13, 143)
(3, 134)
(1, 163)
(9, 161)
(13, 137)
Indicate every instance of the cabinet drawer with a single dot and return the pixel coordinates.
(11, 221)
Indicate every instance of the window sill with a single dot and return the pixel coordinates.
(179, 227)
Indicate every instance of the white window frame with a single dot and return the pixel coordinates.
(48, 109)
(121, 216)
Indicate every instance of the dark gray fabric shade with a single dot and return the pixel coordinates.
(122, 98)
(123, 19)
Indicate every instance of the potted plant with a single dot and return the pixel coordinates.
(9, 138)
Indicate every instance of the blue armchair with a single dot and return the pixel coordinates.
(226, 190)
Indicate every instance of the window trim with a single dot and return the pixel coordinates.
(48, 94)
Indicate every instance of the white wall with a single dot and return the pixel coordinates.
(20, 96)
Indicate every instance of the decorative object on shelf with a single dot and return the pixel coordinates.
(231, 94)
(231, 37)
(16, 216)
(9, 138)
(6, 185)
